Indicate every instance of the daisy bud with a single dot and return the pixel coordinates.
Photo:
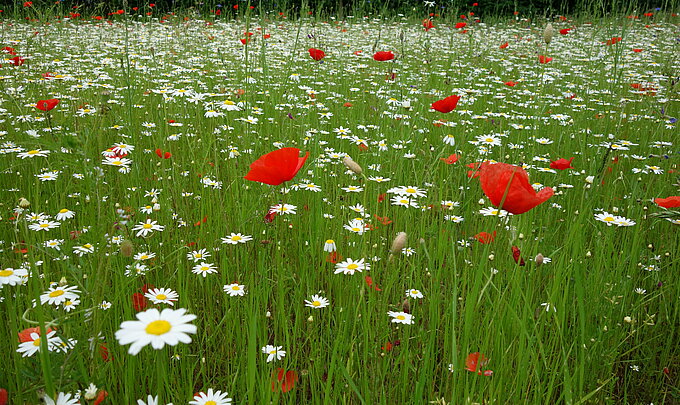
(352, 165)
(268, 314)
(628, 319)
(24, 203)
(310, 319)
(539, 259)
(491, 257)
(126, 248)
(63, 281)
(548, 33)
(590, 179)
(399, 242)
(588, 254)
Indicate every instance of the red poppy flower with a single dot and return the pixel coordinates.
(565, 31)
(668, 202)
(371, 284)
(451, 159)
(25, 335)
(561, 164)
(333, 257)
(139, 302)
(276, 167)
(101, 397)
(510, 84)
(544, 59)
(427, 23)
(9, 50)
(383, 56)
(446, 105)
(47, 105)
(485, 237)
(285, 379)
(166, 155)
(316, 54)
(614, 40)
(636, 50)
(503, 46)
(17, 61)
(509, 184)
(460, 25)
(517, 256)
(475, 361)
(4, 398)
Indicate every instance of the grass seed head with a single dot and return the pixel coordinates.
(399, 242)
(548, 33)
(126, 248)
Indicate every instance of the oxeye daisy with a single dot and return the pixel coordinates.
(32, 344)
(62, 399)
(58, 295)
(197, 255)
(12, 276)
(273, 352)
(401, 317)
(44, 225)
(317, 302)
(236, 238)
(204, 269)
(211, 398)
(234, 289)
(350, 266)
(156, 328)
(146, 228)
(162, 296)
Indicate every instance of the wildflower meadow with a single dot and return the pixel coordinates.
(276, 205)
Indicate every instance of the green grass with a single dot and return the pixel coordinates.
(570, 331)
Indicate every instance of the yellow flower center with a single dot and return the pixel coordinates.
(32, 152)
(158, 328)
(87, 246)
(228, 102)
(117, 162)
(143, 257)
(147, 226)
(353, 266)
(63, 211)
(316, 303)
(56, 293)
(44, 225)
(401, 317)
(608, 219)
(410, 190)
(161, 297)
(6, 273)
(236, 238)
(414, 291)
(272, 352)
(36, 342)
(330, 241)
(211, 403)
(356, 229)
(67, 303)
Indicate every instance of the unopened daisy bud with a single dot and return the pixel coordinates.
(491, 257)
(590, 179)
(268, 314)
(399, 242)
(548, 33)
(310, 319)
(628, 319)
(24, 203)
(126, 248)
(588, 254)
(539, 259)
(352, 165)
(63, 281)
(481, 201)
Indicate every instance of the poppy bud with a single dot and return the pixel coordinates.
(539, 259)
(548, 33)
(24, 203)
(352, 165)
(126, 248)
(406, 306)
(399, 242)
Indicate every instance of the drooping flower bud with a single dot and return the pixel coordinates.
(352, 165)
(399, 242)
(24, 203)
(126, 248)
(548, 33)
(539, 259)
